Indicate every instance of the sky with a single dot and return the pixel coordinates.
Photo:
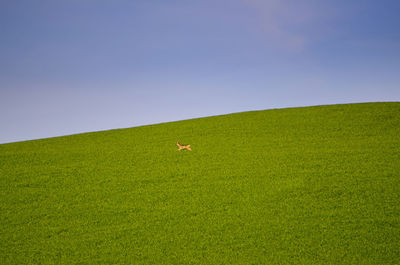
(86, 65)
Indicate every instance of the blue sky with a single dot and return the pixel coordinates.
(83, 65)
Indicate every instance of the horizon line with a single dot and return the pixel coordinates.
(193, 118)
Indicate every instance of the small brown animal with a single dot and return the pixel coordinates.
(181, 147)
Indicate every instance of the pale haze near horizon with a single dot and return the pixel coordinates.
(80, 66)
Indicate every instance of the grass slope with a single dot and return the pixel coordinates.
(301, 185)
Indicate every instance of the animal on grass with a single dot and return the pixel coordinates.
(182, 146)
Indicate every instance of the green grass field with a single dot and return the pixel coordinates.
(300, 185)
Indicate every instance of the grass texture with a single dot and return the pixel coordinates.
(314, 185)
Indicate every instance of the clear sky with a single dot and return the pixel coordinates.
(84, 65)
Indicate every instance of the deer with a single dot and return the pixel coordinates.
(182, 147)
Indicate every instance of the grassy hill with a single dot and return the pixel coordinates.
(300, 185)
